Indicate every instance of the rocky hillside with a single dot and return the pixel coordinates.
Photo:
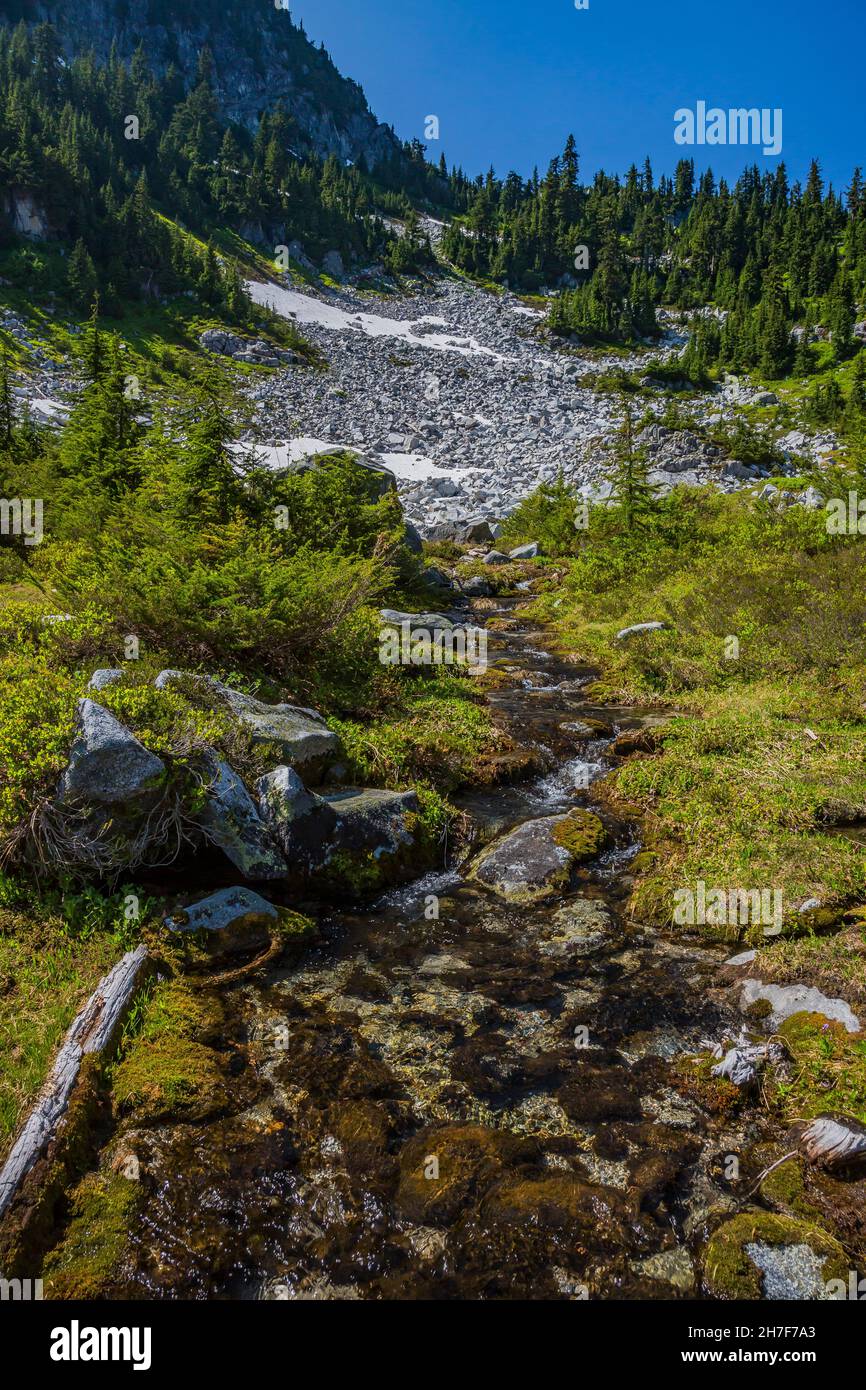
(261, 57)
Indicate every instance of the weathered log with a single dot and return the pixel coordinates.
(93, 1031)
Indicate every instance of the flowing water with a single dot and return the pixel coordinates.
(444, 1101)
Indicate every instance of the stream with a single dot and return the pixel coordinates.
(462, 1105)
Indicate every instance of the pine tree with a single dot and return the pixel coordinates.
(81, 276)
(633, 492)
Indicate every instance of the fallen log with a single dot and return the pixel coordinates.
(93, 1031)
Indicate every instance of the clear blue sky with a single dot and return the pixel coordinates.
(509, 79)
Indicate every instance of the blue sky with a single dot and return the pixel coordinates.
(510, 80)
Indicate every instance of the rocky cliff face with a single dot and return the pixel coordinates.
(261, 57)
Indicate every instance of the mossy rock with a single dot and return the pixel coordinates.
(785, 1189)
(168, 1068)
(85, 1262)
(730, 1272)
(534, 862)
(581, 833)
(592, 1216)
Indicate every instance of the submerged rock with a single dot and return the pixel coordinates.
(577, 929)
(107, 764)
(535, 861)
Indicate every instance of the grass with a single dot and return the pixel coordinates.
(764, 669)
(47, 972)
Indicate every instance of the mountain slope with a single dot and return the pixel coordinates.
(261, 57)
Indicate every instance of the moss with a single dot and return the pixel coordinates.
(167, 1068)
(828, 1070)
(785, 1189)
(730, 1274)
(86, 1260)
(693, 1077)
(581, 833)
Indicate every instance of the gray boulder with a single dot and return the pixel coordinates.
(495, 557)
(477, 587)
(638, 629)
(230, 821)
(524, 552)
(101, 679)
(437, 578)
(239, 920)
(371, 820)
(332, 265)
(412, 539)
(477, 531)
(107, 764)
(302, 823)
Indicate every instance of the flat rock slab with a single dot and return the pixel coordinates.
(371, 819)
(108, 766)
(787, 1000)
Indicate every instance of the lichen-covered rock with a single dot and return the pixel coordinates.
(107, 764)
(242, 919)
(302, 736)
(231, 822)
(760, 1255)
(534, 862)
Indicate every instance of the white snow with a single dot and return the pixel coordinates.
(304, 309)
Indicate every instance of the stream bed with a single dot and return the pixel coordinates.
(454, 1097)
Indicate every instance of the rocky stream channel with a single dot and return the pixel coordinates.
(456, 1096)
